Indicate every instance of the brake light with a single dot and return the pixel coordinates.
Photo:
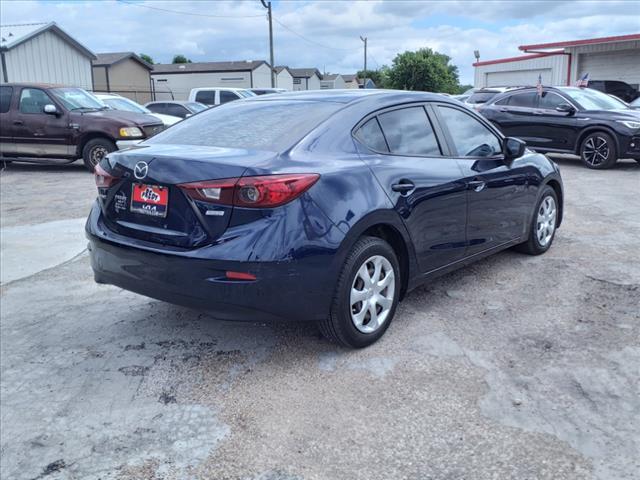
(266, 191)
(103, 179)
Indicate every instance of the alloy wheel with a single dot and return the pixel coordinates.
(546, 222)
(372, 293)
(596, 150)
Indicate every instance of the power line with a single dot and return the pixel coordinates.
(151, 7)
(312, 41)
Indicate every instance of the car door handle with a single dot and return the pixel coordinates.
(403, 187)
(18, 122)
(477, 185)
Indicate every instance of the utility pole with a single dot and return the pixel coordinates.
(267, 5)
(364, 81)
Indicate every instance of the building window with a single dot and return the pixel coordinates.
(297, 81)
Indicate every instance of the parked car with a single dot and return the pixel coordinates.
(176, 108)
(343, 203)
(582, 121)
(118, 102)
(482, 95)
(218, 96)
(620, 89)
(48, 123)
(267, 91)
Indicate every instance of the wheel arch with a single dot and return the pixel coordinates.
(387, 225)
(91, 136)
(557, 188)
(594, 129)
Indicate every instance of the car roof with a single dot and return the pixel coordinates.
(179, 102)
(36, 85)
(351, 95)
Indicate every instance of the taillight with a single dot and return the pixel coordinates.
(103, 179)
(266, 191)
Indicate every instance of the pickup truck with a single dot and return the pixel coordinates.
(48, 123)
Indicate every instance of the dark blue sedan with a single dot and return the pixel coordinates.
(317, 206)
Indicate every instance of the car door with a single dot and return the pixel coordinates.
(425, 187)
(558, 129)
(498, 200)
(7, 141)
(514, 114)
(37, 133)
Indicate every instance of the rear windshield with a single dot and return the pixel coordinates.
(481, 97)
(253, 125)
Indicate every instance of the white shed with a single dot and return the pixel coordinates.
(175, 80)
(43, 53)
(284, 79)
(306, 78)
(563, 63)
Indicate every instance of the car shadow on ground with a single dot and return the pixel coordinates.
(574, 160)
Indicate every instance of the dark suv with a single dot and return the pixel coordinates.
(52, 123)
(622, 90)
(583, 121)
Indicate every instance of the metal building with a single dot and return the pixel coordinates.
(43, 53)
(562, 63)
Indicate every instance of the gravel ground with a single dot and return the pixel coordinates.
(517, 367)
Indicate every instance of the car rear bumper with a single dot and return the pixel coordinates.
(288, 289)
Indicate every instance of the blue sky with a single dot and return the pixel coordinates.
(325, 34)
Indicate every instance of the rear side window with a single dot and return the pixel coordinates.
(207, 97)
(470, 137)
(370, 134)
(527, 100)
(5, 98)
(226, 96)
(408, 132)
(273, 126)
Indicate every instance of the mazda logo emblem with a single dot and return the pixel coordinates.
(140, 170)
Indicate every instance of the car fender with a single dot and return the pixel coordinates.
(595, 128)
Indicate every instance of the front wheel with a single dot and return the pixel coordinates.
(95, 150)
(598, 151)
(366, 295)
(543, 224)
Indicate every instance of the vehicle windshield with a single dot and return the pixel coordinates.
(591, 99)
(481, 97)
(273, 126)
(77, 99)
(196, 107)
(125, 104)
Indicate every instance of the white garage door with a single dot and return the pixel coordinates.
(518, 77)
(623, 65)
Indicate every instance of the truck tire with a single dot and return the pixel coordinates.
(95, 150)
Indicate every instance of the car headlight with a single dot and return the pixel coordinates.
(131, 132)
(630, 124)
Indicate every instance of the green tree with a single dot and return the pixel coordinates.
(423, 70)
(146, 58)
(180, 59)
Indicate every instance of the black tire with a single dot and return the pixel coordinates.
(598, 151)
(95, 150)
(338, 326)
(533, 246)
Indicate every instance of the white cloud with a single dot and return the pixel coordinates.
(456, 28)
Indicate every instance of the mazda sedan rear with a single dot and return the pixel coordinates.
(325, 206)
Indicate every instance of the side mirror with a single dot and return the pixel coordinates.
(50, 109)
(513, 148)
(566, 108)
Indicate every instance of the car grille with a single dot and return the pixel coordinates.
(151, 130)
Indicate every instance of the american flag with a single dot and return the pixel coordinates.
(583, 81)
(539, 85)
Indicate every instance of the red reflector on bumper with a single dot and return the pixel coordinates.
(240, 276)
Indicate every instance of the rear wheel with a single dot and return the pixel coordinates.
(543, 224)
(366, 295)
(95, 150)
(598, 151)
